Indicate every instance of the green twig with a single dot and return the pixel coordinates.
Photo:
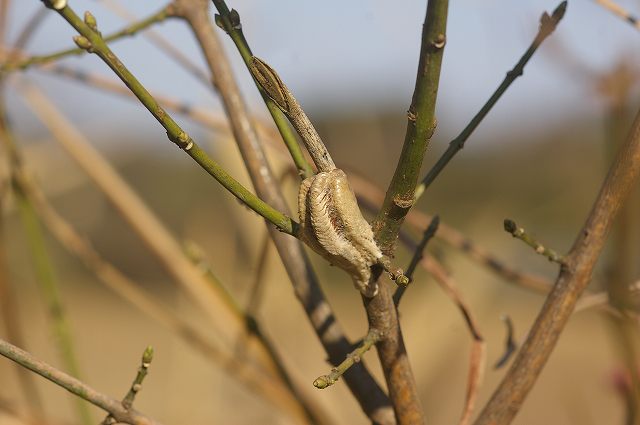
(324, 381)
(136, 386)
(518, 232)
(381, 310)
(421, 125)
(91, 40)
(547, 25)
(165, 13)
(229, 21)
(429, 233)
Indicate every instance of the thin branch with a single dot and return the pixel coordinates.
(547, 25)
(418, 254)
(512, 228)
(352, 358)
(136, 385)
(601, 299)
(574, 276)
(201, 115)
(165, 13)
(91, 40)
(510, 345)
(29, 28)
(163, 44)
(230, 22)
(74, 386)
(477, 354)
(381, 311)
(371, 197)
(618, 10)
(305, 283)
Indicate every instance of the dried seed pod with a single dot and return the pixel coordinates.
(333, 226)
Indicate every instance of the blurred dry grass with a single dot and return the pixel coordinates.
(546, 181)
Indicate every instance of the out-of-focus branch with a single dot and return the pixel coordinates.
(163, 44)
(165, 13)
(618, 10)
(74, 386)
(574, 276)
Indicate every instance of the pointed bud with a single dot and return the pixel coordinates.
(90, 20)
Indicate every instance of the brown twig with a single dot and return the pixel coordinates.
(574, 276)
(510, 345)
(74, 386)
(371, 398)
(418, 254)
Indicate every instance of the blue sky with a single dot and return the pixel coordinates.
(362, 55)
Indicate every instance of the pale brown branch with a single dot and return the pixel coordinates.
(573, 278)
(74, 386)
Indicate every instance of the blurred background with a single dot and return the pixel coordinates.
(539, 158)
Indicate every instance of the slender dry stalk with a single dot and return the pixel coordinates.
(574, 276)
